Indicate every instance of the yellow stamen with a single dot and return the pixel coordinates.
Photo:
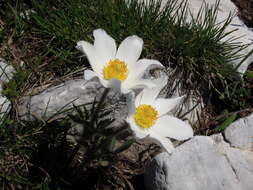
(115, 69)
(145, 116)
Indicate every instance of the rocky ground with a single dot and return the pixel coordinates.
(221, 161)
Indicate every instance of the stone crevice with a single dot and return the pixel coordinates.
(232, 167)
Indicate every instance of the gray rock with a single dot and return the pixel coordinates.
(60, 99)
(202, 163)
(5, 106)
(240, 133)
(6, 71)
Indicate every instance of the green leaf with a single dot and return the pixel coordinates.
(75, 118)
(249, 74)
(105, 122)
(86, 112)
(78, 110)
(125, 146)
(93, 107)
(105, 113)
(111, 144)
(226, 123)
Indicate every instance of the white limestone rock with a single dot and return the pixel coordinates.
(5, 107)
(202, 163)
(240, 133)
(59, 98)
(6, 73)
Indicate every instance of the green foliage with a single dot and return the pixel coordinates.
(226, 123)
(20, 144)
(12, 88)
(48, 160)
(235, 96)
(99, 141)
(194, 49)
(249, 74)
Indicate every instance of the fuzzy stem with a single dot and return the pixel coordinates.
(100, 103)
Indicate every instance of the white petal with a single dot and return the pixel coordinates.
(141, 66)
(161, 82)
(141, 83)
(138, 132)
(129, 50)
(162, 141)
(169, 126)
(139, 98)
(105, 46)
(136, 73)
(163, 105)
(88, 74)
(148, 95)
(91, 55)
(130, 102)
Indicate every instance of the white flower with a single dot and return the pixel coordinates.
(148, 118)
(116, 68)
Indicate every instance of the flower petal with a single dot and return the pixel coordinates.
(138, 132)
(169, 126)
(129, 51)
(105, 46)
(163, 105)
(142, 66)
(162, 141)
(141, 83)
(89, 74)
(148, 95)
(136, 73)
(91, 55)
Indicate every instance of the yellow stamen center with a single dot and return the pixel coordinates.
(145, 116)
(115, 69)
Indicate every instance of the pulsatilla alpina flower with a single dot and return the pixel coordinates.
(148, 118)
(116, 68)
